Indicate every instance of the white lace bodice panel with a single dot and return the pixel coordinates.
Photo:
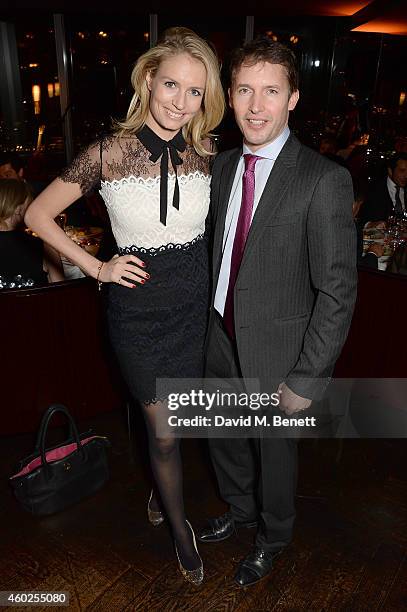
(130, 186)
(133, 204)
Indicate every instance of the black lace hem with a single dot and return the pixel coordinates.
(153, 251)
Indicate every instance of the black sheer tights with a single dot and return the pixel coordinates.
(167, 471)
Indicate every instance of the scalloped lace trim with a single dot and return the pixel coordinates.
(183, 179)
(171, 246)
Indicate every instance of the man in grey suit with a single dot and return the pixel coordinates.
(284, 285)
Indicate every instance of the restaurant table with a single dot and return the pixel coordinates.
(376, 345)
(87, 237)
(371, 370)
(55, 350)
(381, 236)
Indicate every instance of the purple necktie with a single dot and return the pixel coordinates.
(242, 229)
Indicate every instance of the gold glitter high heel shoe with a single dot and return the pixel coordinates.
(193, 576)
(154, 516)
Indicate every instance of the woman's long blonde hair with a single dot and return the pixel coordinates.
(173, 42)
(13, 194)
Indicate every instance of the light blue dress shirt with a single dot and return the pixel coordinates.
(262, 171)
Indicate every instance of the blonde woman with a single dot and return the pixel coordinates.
(24, 260)
(154, 173)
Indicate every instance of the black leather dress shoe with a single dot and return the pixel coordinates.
(221, 528)
(256, 566)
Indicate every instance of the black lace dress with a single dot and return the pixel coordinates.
(157, 329)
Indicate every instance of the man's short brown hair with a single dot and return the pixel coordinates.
(265, 50)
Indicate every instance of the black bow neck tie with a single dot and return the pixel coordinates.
(160, 148)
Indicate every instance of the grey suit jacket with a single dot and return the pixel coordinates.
(296, 287)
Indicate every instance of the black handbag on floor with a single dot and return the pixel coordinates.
(52, 479)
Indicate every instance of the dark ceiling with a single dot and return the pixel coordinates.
(386, 16)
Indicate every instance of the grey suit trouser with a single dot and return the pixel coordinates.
(257, 477)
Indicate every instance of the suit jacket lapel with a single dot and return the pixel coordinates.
(276, 186)
(226, 181)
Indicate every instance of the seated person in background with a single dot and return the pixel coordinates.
(359, 141)
(388, 194)
(328, 147)
(371, 257)
(25, 261)
(11, 167)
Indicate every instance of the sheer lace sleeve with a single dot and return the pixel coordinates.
(85, 169)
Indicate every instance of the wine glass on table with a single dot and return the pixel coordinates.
(389, 233)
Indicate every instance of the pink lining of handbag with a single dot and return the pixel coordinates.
(52, 455)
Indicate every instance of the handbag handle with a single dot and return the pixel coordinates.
(71, 424)
(54, 409)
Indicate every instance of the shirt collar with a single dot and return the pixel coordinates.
(163, 148)
(156, 145)
(273, 149)
(392, 185)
